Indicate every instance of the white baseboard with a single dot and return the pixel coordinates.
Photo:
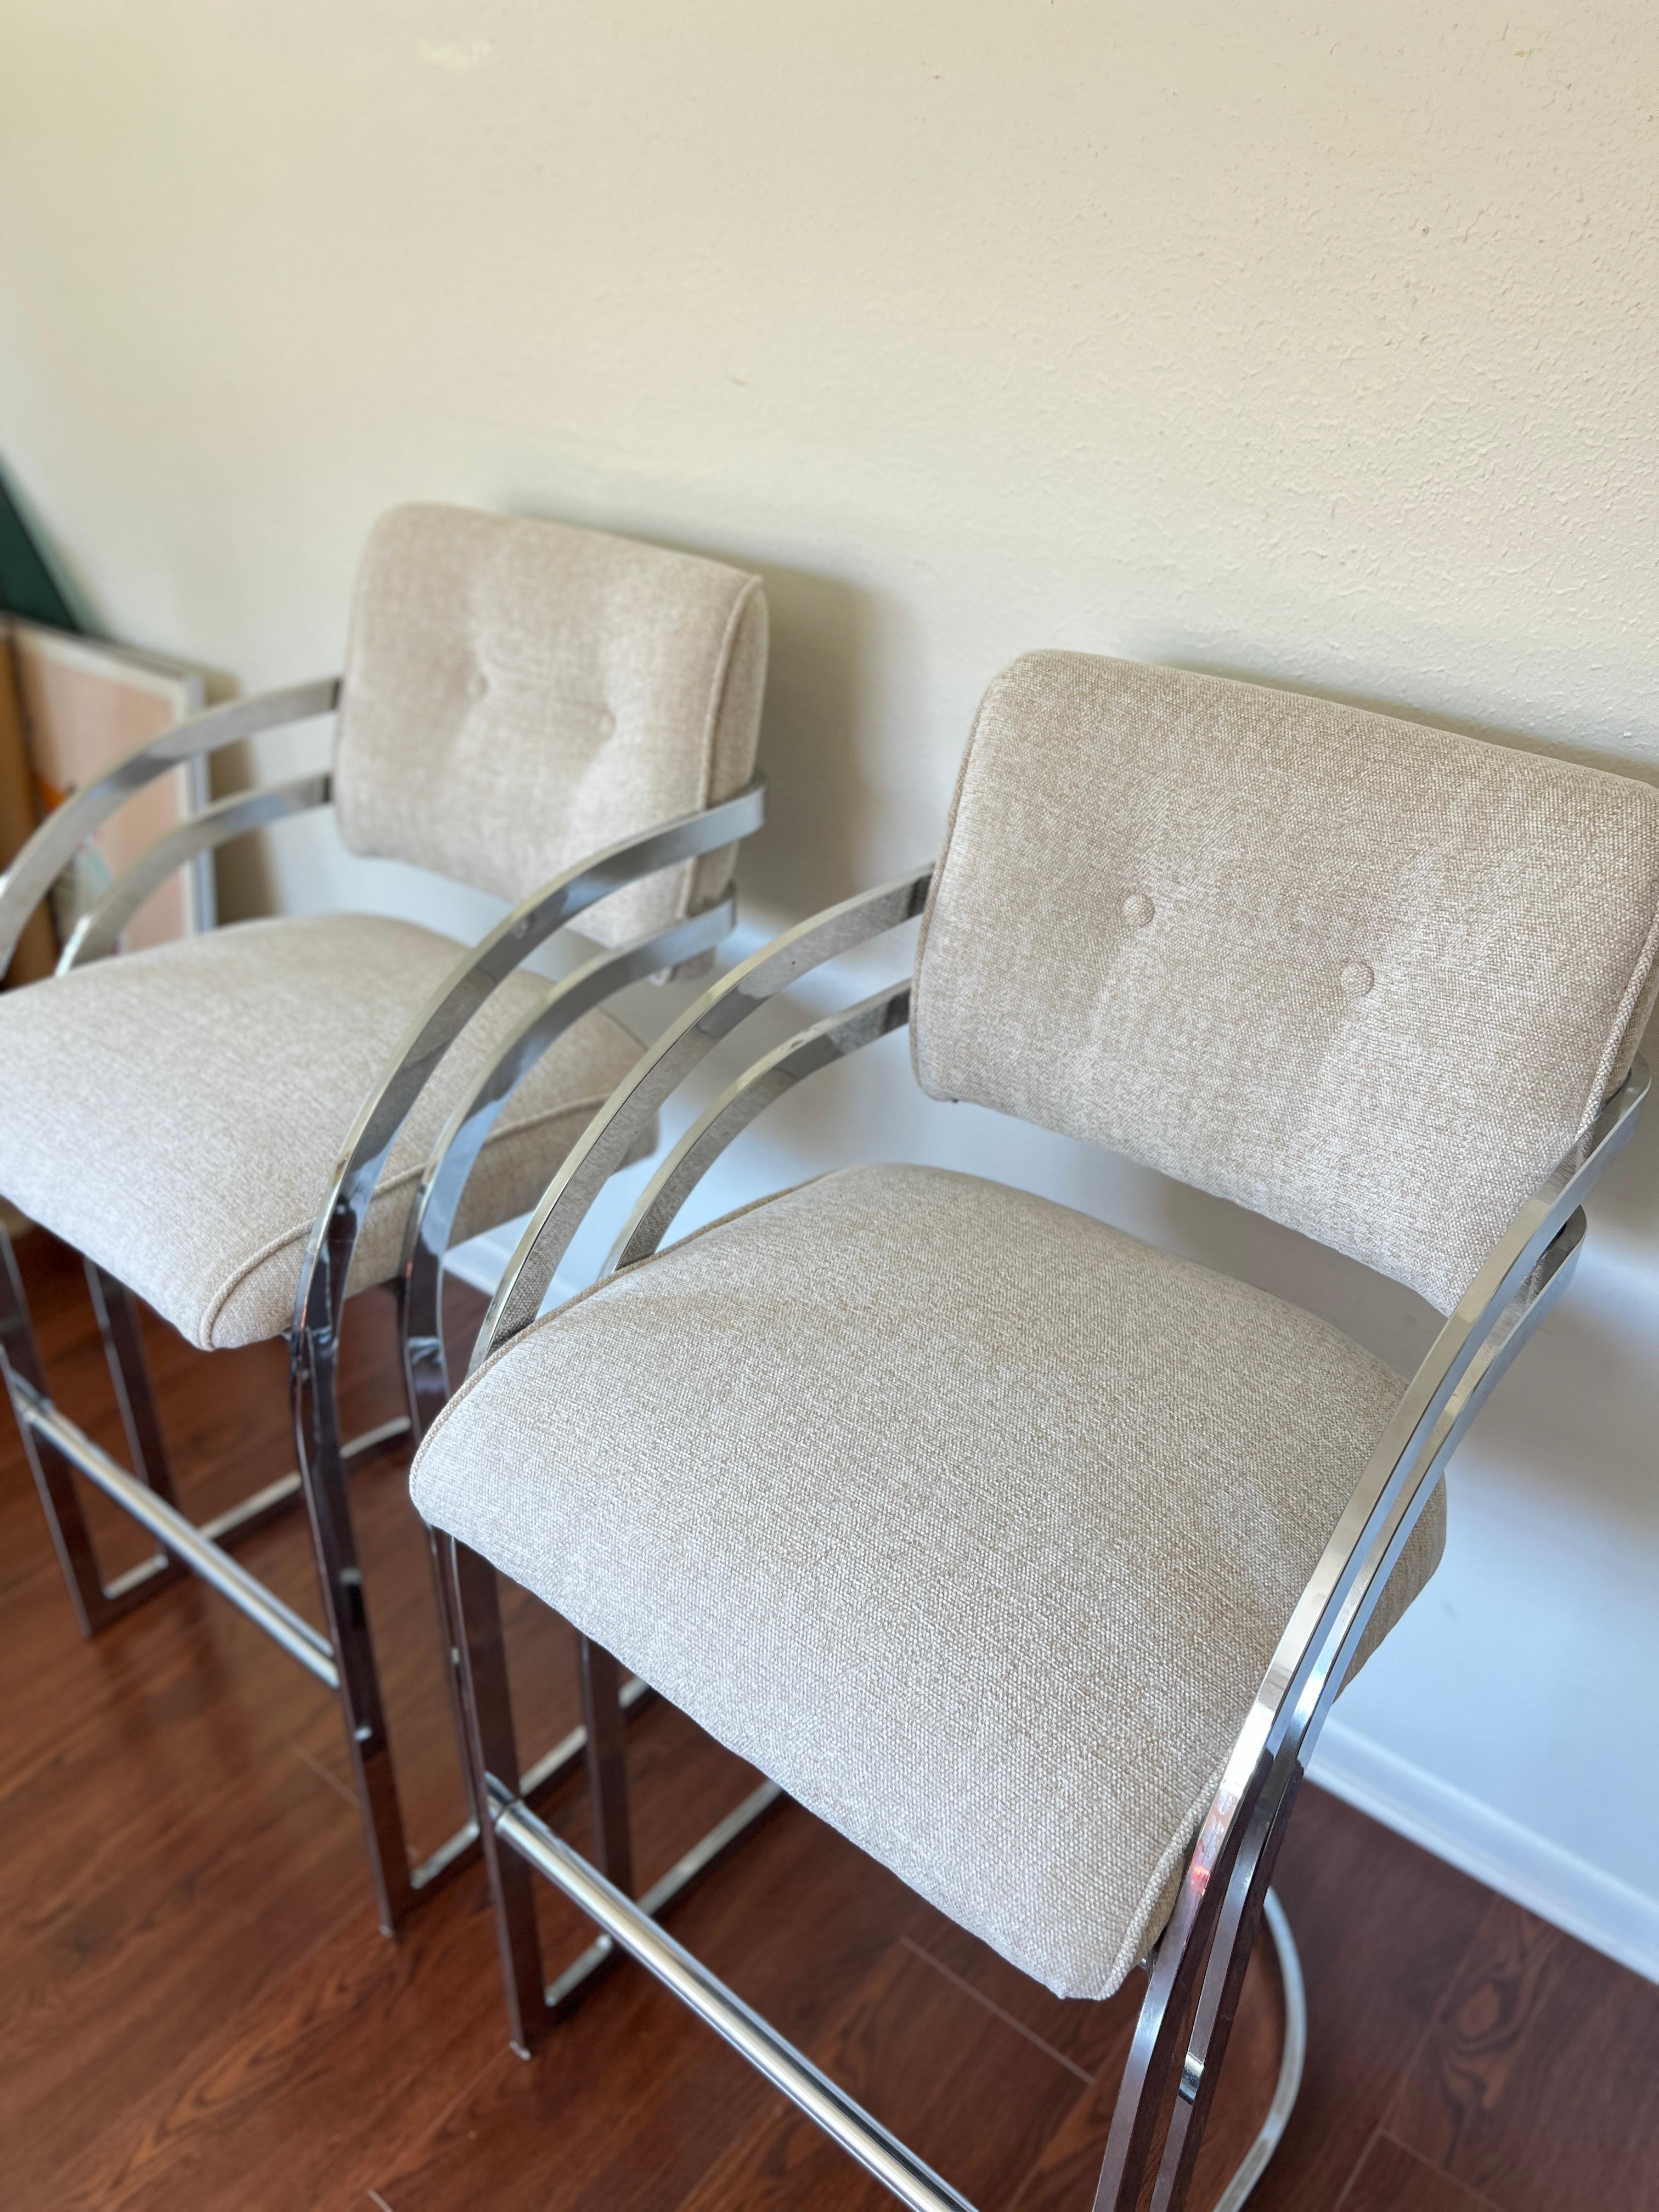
(481, 1264)
(1534, 1873)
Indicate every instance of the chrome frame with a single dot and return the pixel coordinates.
(1196, 1970)
(343, 1657)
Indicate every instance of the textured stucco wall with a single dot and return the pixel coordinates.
(1312, 343)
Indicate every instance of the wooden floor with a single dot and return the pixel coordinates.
(197, 2010)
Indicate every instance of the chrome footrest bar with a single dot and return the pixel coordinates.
(450, 1856)
(553, 1767)
(674, 1884)
(632, 1926)
(180, 1536)
(633, 1930)
(250, 1514)
(567, 1754)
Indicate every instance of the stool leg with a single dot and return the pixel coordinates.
(323, 1476)
(1171, 2075)
(54, 1478)
(492, 1754)
(607, 1763)
(117, 1311)
(1224, 1982)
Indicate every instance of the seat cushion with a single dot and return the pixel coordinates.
(177, 1114)
(971, 1521)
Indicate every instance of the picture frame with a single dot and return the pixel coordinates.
(84, 705)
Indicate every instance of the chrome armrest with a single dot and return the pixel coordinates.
(743, 1101)
(1195, 1961)
(1525, 1272)
(469, 985)
(437, 1201)
(98, 932)
(1527, 1266)
(42, 859)
(609, 1140)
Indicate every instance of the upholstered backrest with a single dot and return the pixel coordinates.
(518, 694)
(1368, 978)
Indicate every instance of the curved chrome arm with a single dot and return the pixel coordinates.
(99, 931)
(1332, 1612)
(610, 1139)
(1525, 1272)
(43, 859)
(469, 984)
(437, 1200)
(836, 1037)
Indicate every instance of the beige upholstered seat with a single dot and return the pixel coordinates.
(517, 695)
(971, 1521)
(176, 1114)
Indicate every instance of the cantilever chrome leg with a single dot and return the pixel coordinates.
(1293, 2053)
(53, 1479)
(492, 1754)
(1217, 2004)
(323, 1476)
(54, 1447)
(1181, 2039)
(450, 1636)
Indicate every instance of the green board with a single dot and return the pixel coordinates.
(27, 587)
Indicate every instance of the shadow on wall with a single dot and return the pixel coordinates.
(817, 796)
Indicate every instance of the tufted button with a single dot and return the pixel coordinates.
(1357, 978)
(1138, 909)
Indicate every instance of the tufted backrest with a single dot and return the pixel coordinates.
(1368, 978)
(520, 694)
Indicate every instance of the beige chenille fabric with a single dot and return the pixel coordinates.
(520, 694)
(1368, 978)
(177, 1114)
(973, 1521)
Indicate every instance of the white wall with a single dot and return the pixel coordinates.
(1307, 342)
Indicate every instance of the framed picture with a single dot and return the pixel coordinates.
(84, 705)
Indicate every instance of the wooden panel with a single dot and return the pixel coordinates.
(37, 950)
(87, 705)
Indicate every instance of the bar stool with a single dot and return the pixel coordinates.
(235, 1127)
(1029, 1557)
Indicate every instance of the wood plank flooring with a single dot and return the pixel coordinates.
(197, 2011)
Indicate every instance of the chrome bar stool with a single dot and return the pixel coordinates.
(234, 1128)
(1027, 1555)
